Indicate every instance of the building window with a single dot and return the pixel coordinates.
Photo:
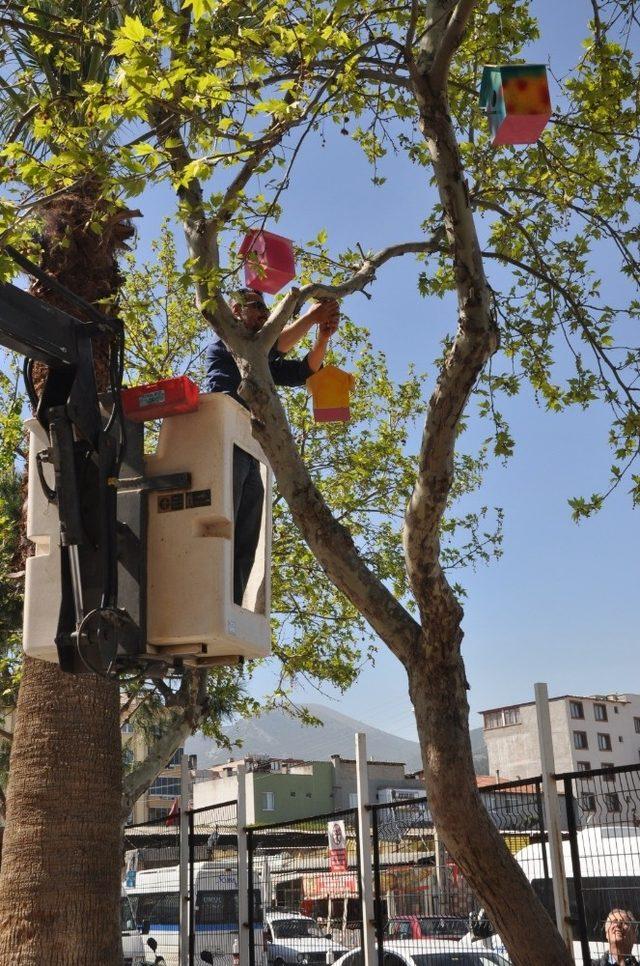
(620, 738)
(353, 799)
(502, 718)
(165, 786)
(292, 794)
(580, 739)
(612, 801)
(576, 709)
(583, 765)
(600, 712)
(636, 725)
(268, 801)
(588, 803)
(604, 742)
(176, 758)
(609, 766)
(156, 814)
(127, 757)
(127, 728)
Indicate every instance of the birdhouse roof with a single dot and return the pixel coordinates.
(486, 84)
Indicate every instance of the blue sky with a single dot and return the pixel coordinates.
(561, 605)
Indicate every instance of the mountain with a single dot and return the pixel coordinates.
(276, 735)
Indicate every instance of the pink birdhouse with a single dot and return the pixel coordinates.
(269, 263)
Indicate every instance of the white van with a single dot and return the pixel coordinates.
(134, 949)
(156, 903)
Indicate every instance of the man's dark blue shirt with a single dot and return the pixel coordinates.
(223, 374)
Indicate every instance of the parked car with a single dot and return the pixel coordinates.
(425, 952)
(293, 938)
(426, 927)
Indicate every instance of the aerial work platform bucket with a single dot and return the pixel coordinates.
(190, 552)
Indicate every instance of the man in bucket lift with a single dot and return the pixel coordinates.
(223, 375)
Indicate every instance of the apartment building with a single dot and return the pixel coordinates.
(155, 803)
(285, 789)
(594, 731)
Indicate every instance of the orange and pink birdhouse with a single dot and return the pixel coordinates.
(330, 389)
(516, 99)
(269, 262)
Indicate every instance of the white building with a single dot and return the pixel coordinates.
(588, 732)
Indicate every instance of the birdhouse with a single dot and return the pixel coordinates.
(517, 102)
(269, 263)
(330, 388)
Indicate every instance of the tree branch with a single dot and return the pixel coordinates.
(450, 42)
(195, 703)
(361, 278)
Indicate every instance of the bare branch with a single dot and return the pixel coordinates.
(362, 277)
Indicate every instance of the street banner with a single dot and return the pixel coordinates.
(337, 847)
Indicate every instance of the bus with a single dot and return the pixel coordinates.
(156, 903)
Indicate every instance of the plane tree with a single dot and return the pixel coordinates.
(216, 99)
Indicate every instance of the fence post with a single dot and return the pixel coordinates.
(442, 889)
(192, 897)
(577, 876)
(550, 792)
(251, 898)
(377, 889)
(183, 868)
(364, 834)
(244, 939)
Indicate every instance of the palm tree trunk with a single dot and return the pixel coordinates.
(60, 877)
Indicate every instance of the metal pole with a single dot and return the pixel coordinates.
(192, 896)
(243, 870)
(577, 877)
(550, 792)
(375, 814)
(364, 835)
(183, 874)
(442, 887)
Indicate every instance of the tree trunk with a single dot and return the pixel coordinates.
(60, 877)
(442, 717)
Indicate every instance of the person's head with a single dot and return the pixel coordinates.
(249, 307)
(621, 931)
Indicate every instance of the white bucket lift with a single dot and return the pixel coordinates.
(43, 583)
(190, 612)
(190, 608)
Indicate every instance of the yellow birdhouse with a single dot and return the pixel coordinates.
(330, 388)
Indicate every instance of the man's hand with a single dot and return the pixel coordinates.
(326, 315)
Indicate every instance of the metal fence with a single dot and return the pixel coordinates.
(307, 874)
(152, 882)
(304, 885)
(423, 902)
(602, 851)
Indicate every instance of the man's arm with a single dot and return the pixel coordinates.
(318, 314)
(295, 372)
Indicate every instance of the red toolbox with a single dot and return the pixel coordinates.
(169, 397)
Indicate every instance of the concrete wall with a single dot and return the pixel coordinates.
(381, 775)
(294, 795)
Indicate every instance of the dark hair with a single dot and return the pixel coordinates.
(242, 294)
